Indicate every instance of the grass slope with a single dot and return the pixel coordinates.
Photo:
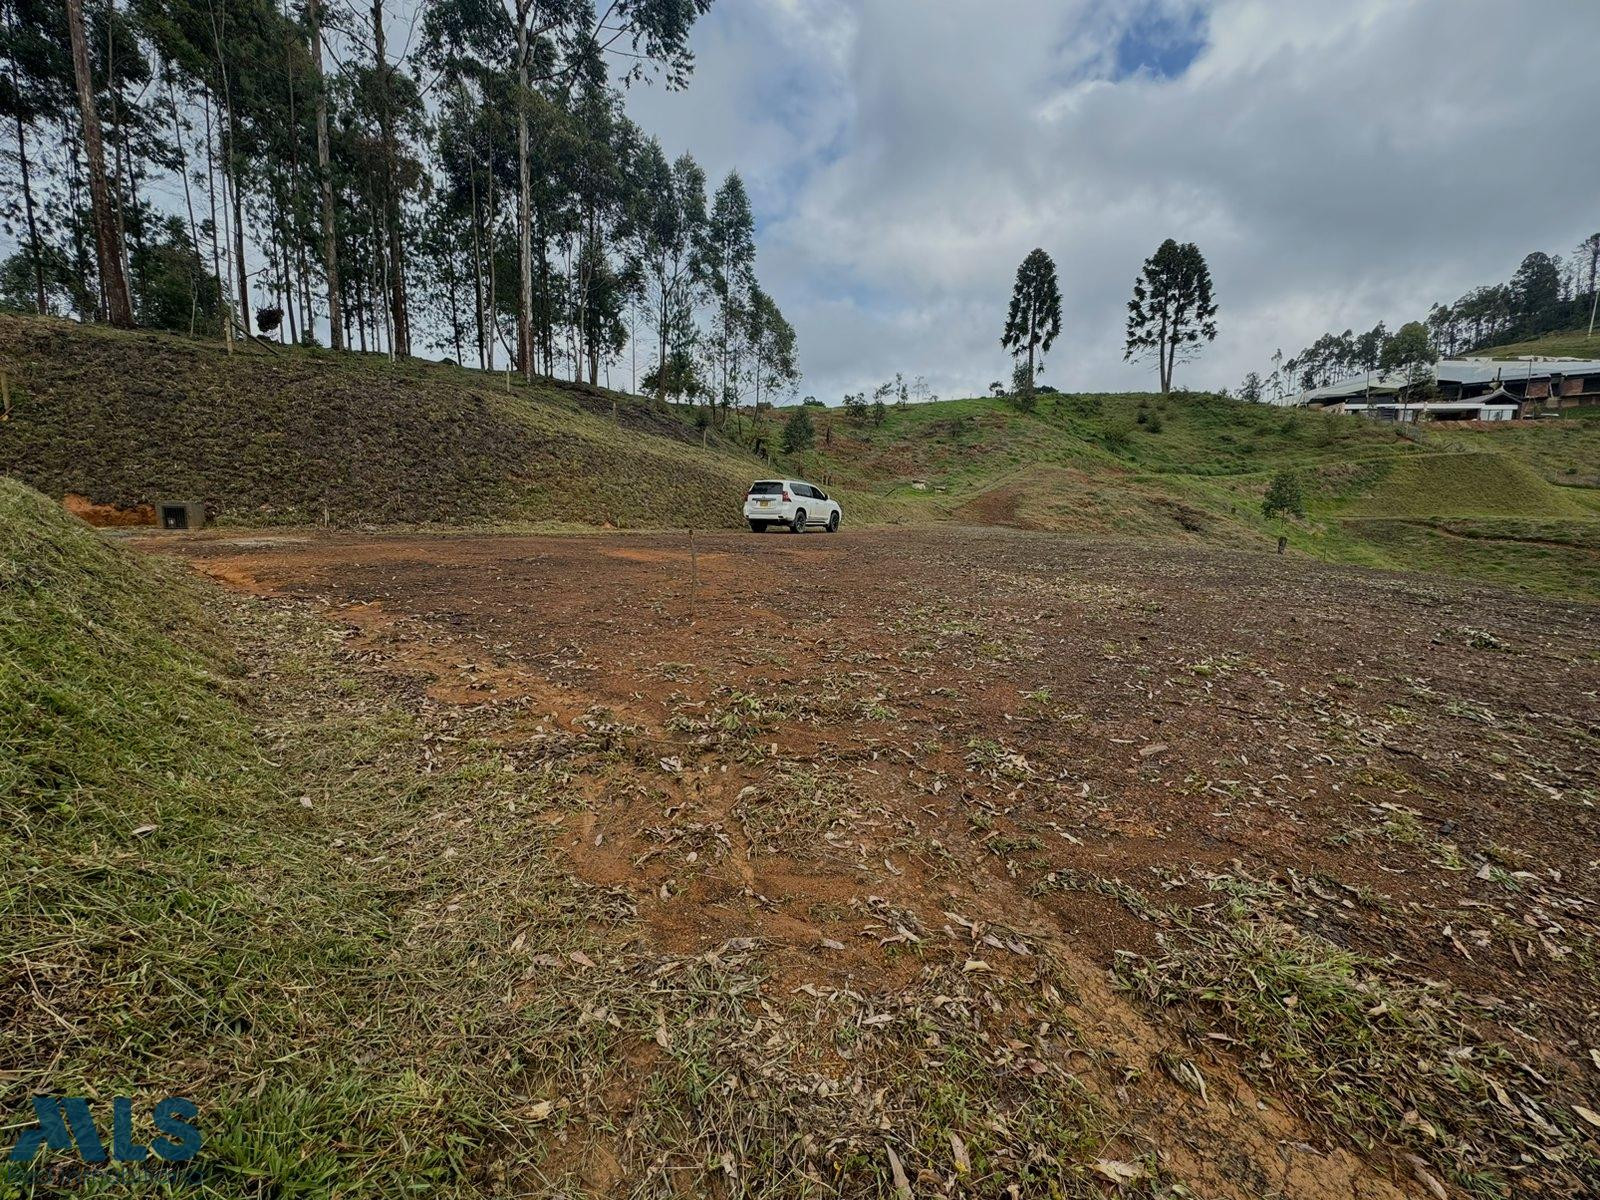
(302, 436)
(1566, 343)
(1473, 484)
(231, 860)
(1565, 451)
(176, 922)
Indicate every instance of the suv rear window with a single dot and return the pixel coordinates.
(767, 487)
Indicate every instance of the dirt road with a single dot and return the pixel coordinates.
(852, 749)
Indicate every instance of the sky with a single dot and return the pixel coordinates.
(1338, 163)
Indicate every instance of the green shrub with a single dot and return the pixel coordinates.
(1118, 438)
(1284, 496)
(799, 433)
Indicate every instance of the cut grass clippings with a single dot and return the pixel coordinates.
(1390, 1061)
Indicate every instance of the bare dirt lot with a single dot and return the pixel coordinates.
(1293, 870)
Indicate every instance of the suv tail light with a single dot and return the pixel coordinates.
(786, 496)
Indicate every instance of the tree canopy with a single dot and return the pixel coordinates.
(1172, 310)
(477, 191)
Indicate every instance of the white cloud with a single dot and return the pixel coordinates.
(1339, 164)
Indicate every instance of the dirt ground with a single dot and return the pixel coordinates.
(1001, 746)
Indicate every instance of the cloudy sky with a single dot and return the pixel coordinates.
(1338, 163)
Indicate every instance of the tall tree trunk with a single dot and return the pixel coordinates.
(286, 287)
(524, 202)
(360, 312)
(183, 170)
(455, 315)
(124, 188)
(80, 251)
(1165, 370)
(230, 177)
(223, 318)
(400, 335)
(494, 295)
(330, 246)
(35, 252)
(232, 180)
(477, 263)
(664, 315)
(544, 335)
(113, 283)
(299, 293)
(380, 279)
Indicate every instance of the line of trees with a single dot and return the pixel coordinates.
(1173, 311)
(237, 167)
(1545, 293)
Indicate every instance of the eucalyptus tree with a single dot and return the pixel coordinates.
(473, 162)
(1409, 355)
(75, 90)
(1172, 310)
(730, 250)
(37, 89)
(1587, 258)
(248, 66)
(668, 224)
(328, 227)
(554, 45)
(1536, 291)
(108, 247)
(1369, 352)
(603, 147)
(772, 348)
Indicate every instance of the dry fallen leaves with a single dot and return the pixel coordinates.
(902, 1185)
(1425, 1177)
(1117, 1171)
(958, 1150)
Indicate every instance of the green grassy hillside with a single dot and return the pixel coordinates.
(308, 436)
(1568, 343)
(1564, 450)
(1475, 483)
(1195, 467)
(302, 436)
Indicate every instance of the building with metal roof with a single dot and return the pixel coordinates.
(1531, 385)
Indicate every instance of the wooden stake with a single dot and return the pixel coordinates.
(5, 395)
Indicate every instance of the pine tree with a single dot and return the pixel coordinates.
(1172, 309)
(1033, 322)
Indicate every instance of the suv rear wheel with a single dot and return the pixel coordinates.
(798, 525)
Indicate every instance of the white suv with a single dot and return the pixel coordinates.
(790, 502)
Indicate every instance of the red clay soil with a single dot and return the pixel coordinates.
(109, 516)
(1005, 710)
